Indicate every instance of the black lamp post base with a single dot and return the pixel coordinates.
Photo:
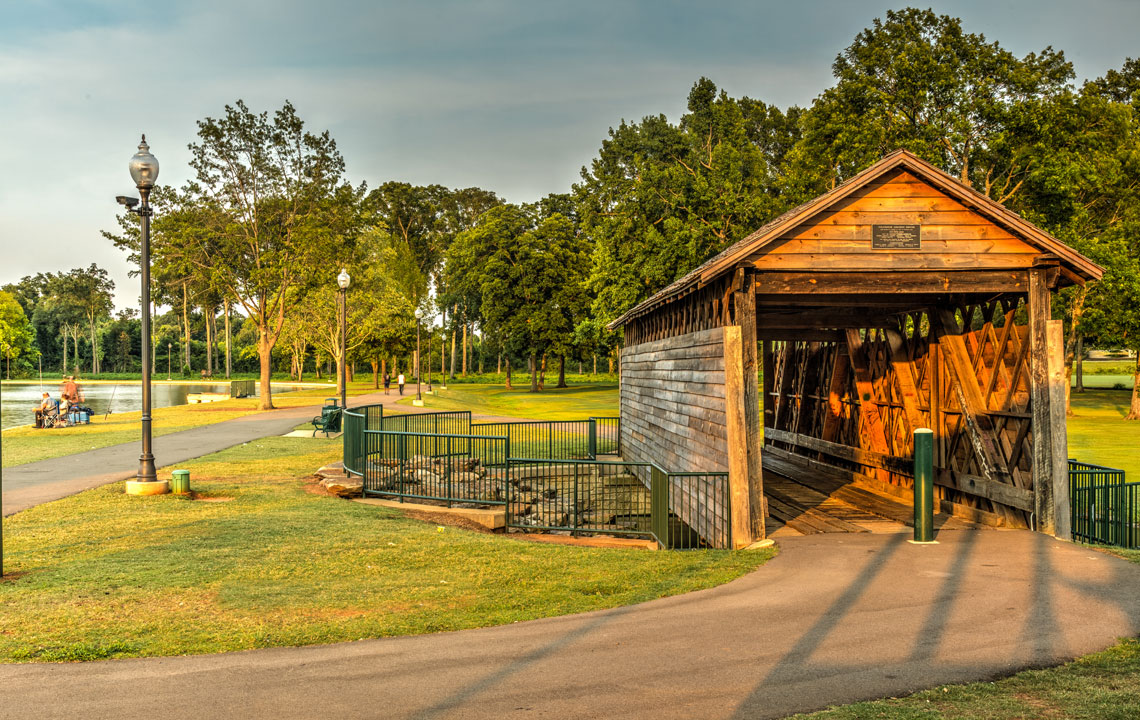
(147, 472)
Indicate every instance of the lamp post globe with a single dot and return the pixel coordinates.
(144, 167)
(343, 281)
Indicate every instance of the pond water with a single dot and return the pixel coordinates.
(20, 401)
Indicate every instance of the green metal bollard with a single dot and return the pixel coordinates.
(180, 484)
(923, 485)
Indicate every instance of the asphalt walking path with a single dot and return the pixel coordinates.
(28, 485)
(833, 619)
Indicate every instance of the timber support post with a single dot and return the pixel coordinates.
(1050, 446)
(744, 306)
(737, 431)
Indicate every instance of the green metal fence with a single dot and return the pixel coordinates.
(1105, 509)
(455, 422)
(435, 466)
(608, 433)
(356, 420)
(678, 510)
(546, 473)
(551, 439)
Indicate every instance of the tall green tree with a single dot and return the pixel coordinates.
(16, 337)
(661, 199)
(918, 81)
(277, 211)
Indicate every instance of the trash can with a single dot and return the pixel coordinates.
(180, 484)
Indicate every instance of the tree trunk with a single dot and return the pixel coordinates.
(464, 349)
(499, 365)
(186, 326)
(454, 315)
(1079, 364)
(595, 371)
(561, 371)
(375, 374)
(611, 362)
(63, 369)
(94, 362)
(1134, 408)
(508, 371)
(209, 345)
(265, 354)
(228, 355)
(533, 362)
(1071, 343)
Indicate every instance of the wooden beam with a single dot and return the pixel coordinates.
(800, 335)
(1058, 436)
(868, 458)
(896, 283)
(769, 379)
(737, 438)
(873, 434)
(969, 393)
(972, 484)
(905, 375)
(1039, 314)
(836, 388)
(822, 318)
(744, 304)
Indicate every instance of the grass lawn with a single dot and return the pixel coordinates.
(1099, 434)
(103, 574)
(576, 402)
(26, 444)
(1104, 685)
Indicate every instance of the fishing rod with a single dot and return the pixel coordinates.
(114, 389)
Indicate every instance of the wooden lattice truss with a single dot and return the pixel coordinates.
(855, 402)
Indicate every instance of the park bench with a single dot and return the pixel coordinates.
(329, 419)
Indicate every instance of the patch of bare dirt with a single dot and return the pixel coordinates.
(13, 575)
(444, 519)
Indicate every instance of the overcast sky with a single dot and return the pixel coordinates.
(511, 95)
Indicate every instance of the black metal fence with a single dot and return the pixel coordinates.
(678, 510)
(1105, 509)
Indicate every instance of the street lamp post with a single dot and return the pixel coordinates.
(419, 360)
(343, 281)
(144, 171)
(168, 361)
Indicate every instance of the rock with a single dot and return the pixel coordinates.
(425, 477)
(344, 487)
(465, 478)
(518, 509)
(335, 469)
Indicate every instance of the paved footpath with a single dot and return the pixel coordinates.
(833, 619)
(28, 485)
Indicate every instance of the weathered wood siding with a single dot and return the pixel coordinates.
(672, 402)
(953, 235)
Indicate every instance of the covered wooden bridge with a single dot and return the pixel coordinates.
(900, 299)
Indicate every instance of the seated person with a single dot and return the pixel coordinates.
(49, 406)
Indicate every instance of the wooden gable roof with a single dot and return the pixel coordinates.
(811, 233)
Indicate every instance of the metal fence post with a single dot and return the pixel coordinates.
(923, 485)
(659, 505)
(593, 439)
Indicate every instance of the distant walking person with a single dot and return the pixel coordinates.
(387, 382)
(400, 382)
